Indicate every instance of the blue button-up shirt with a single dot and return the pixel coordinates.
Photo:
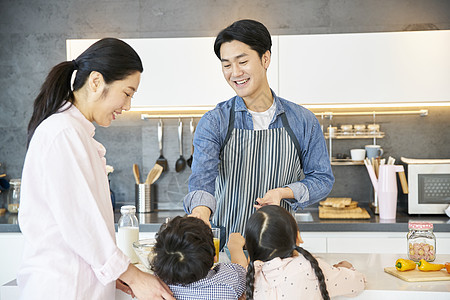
(210, 136)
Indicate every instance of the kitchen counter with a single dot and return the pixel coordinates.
(379, 285)
(308, 219)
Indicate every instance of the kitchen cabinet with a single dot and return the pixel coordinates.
(380, 67)
(367, 242)
(11, 245)
(385, 67)
(179, 73)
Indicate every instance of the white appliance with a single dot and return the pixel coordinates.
(429, 185)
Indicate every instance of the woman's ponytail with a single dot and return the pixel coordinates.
(250, 284)
(317, 270)
(111, 57)
(54, 93)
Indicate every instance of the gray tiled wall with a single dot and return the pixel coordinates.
(32, 40)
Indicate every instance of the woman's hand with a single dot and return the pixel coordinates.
(203, 213)
(273, 197)
(145, 286)
(120, 285)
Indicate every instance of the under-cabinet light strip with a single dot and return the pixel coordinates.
(184, 114)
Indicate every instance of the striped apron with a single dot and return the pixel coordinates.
(252, 163)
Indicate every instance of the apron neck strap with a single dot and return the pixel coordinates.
(230, 125)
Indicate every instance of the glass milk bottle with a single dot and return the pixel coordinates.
(128, 232)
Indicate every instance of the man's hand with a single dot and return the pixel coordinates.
(273, 197)
(203, 213)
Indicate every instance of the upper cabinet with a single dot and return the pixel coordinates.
(386, 67)
(389, 67)
(179, 73)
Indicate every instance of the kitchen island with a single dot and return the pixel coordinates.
(379, 285)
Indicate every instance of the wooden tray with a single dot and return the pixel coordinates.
(347, 213)
(416, 275)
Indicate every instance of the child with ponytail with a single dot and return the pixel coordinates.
(278, 268)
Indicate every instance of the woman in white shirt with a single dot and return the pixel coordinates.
(65, 212)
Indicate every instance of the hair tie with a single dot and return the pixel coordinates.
(75, 65)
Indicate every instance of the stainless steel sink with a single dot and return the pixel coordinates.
(303, 217)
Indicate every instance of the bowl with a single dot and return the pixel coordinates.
(144, 250)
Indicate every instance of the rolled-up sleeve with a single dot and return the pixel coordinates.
(205, 165)
(319, 179)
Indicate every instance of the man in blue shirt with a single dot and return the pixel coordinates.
(252, 149)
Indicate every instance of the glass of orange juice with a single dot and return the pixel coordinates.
(216, 239)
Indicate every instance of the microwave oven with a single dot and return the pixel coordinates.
(429, 188)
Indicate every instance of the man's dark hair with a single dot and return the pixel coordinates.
(249, 32)
(184, 251)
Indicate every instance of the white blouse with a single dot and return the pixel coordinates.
(66, 214)
(294, 278)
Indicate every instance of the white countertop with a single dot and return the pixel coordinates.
(380, 285)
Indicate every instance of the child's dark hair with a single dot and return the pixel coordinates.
(249, 32)
(184, 251)
(272, 232)
(111, 57)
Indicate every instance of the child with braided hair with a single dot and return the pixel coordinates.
(184, 259)
(278, 268)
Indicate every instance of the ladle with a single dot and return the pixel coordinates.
(180, 164)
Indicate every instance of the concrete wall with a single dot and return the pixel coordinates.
(32, 40)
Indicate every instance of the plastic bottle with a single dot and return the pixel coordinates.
(128, 232)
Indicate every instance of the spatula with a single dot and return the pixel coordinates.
(154, 174)
(136, 173)
(162, 161)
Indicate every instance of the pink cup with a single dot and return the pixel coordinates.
(387, 191)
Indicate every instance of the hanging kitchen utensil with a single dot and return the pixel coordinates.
(154, 174)
(162, 161)
(192, 127)
(136, 173)
(180, 164)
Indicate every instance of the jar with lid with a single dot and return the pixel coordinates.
(128, 231)
(13, 196)
(421, 241)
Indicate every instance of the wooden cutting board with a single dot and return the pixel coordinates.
(347, 213)
(416, 275)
